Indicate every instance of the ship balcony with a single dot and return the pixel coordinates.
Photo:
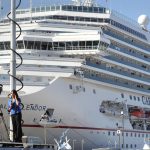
(129, 53)
(120, 72)
(127, 63)
(126, 40)
(130, 85)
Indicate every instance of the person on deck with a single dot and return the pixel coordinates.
(14, 108)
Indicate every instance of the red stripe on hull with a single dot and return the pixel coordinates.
(83, 128)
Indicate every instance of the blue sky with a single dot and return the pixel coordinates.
(130, 8)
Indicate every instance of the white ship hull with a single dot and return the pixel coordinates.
(79, 112)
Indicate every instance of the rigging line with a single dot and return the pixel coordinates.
(20, 31)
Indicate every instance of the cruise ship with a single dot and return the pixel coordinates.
(85, 70)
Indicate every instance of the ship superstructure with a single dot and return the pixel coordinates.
(86, 68)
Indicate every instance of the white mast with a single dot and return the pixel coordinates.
(13, 55)
(31, 10)
(1, 10)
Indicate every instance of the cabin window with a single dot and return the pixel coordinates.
(57, 7)
(85, 9)
(82, 19)
(93, 20)
(7, 45)
(50, 46)
(37, 45)
(68, 45)
(87, 19)
(70, 86)
(94, 91)
(42, 9)
(53, 8)
(82, 43)
(44, 45)
(75, 44)
(70, 18)
(62, 45)
(122, 95)
(20, 44)
(83, 89)
(95, 43)
(135, 98)
(30, 44)
(2, 46)
(55, 44)
(37, 9)
(130, 97)
(47, 8)
(96, 9)
(80, 8)
(74, 8)
(89, 43)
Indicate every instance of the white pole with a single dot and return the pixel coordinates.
(0, 10)
(13, 55)
(73, 143)
(122, 113)
(82, 142)
(13, 46)
(45, 135)
(31, 10)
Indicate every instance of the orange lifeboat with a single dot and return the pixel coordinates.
(137, 113)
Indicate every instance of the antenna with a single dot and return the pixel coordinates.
(31, 10)
(1, 7)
